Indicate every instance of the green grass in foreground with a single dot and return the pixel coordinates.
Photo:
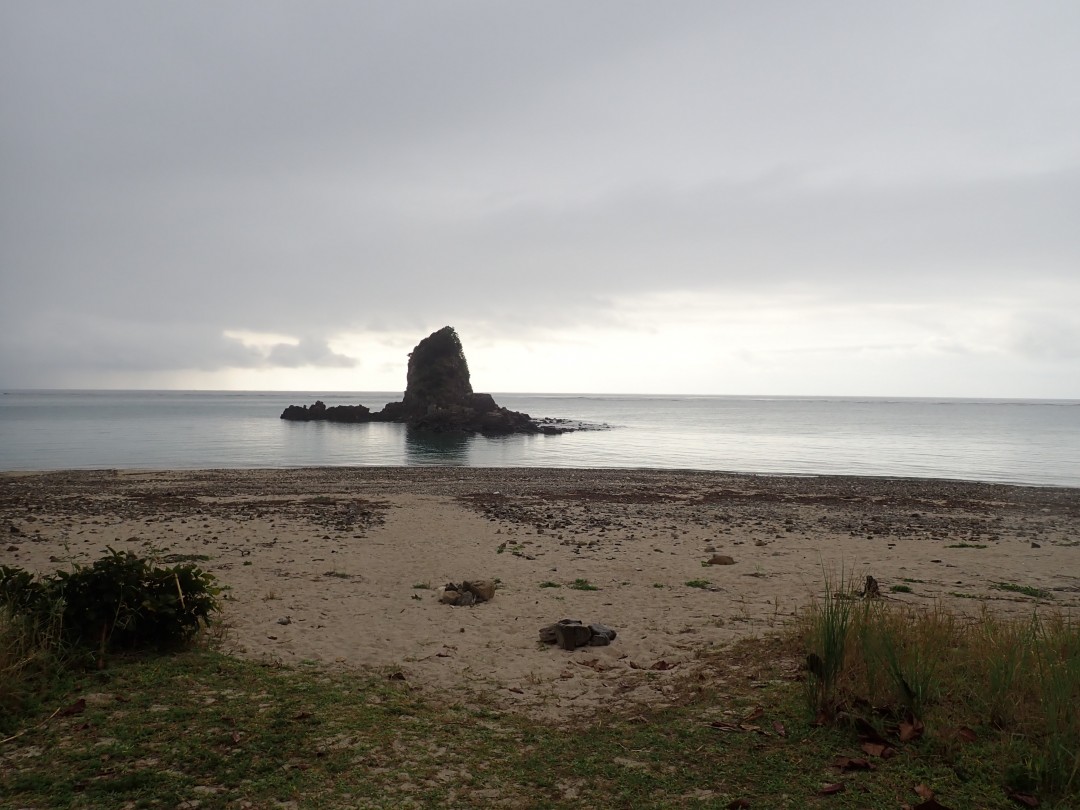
(206, 727)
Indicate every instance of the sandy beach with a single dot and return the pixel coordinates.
(343, 566)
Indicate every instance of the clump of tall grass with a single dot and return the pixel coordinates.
(827, 642)
(1017, 680)
(32, 662)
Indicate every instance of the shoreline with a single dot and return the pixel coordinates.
(408, 469)
(342, 565)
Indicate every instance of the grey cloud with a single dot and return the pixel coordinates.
(1047, 335)
(63, 343)
(168, 172)
(307, 353)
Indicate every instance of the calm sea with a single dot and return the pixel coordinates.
(1018, 441)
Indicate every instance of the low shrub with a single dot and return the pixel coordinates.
(121, 601)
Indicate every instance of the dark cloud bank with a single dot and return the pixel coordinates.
(172, 172)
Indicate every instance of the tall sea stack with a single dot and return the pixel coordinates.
(438, 373)
(438, 397)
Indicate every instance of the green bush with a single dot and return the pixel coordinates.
(119, 602)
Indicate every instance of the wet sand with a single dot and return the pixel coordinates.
(344, 565)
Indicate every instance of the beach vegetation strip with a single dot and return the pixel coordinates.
(899, 674)
(263, 734)
(1023, 590)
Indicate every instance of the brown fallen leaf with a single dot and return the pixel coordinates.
(754, 714)
(867, 733)
(924, 792)
(910, 729)
(739, 804)
(878, 750)
(1025, 799)
(931, 804)
(778, 727)
(846, 764)
(662, 665)
(830, 790)
(720, 725)
(302, 716)
(78, 707)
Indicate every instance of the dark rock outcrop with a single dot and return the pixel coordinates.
(438, 398)
(570, 634)
(334, 413)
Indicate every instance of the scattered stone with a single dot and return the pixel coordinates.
(482, 589)
(872, 589)
(13, 548)
(284, 620)
(468, 593)
(1035, 545)
(602, 635)
(721, 559)
(570, 634)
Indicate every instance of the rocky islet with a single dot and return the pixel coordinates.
(439, 398)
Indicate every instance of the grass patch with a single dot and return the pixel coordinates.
(583, 585)
(550, 584)
(826, 640)
(966, 545)
(901, 589)
(329, 738)
(33, 664)
(1000, 690)
(698, 583)
(422, 586)
(994, 698)
(1025, 590)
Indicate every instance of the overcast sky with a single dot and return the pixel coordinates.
(830, 198)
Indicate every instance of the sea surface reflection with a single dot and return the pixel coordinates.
(444, 449)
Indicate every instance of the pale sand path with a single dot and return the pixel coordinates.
(338, 552)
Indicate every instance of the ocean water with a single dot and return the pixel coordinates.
(1014, 441)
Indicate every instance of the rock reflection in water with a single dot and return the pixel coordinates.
(427, 447)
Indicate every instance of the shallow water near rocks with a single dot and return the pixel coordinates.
(1015, 441)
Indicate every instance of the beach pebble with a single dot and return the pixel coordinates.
(602, 635)
(572, 636)
(482, 589)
